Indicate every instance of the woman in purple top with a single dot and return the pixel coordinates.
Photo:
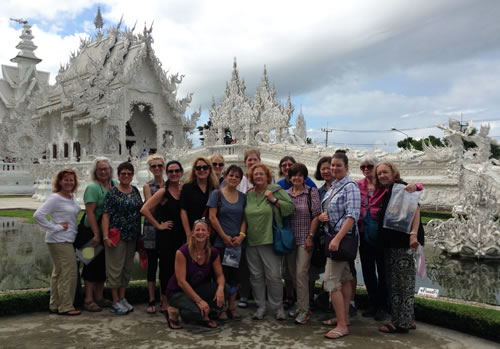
(190, 289)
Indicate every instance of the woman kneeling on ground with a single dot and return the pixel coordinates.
(190, 289)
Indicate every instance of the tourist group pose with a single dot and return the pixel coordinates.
(213, 239)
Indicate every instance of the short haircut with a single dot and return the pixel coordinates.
(93, 169)
(125, 166)
(251, 151)
(298, 168)
(321, 161)
(392, 167)
(283, 159)
(369, 159)
(234, 168)
(56, 183)
(266, 169)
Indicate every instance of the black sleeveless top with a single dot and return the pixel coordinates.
(171, 211)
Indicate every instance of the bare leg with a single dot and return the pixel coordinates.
(89, 291)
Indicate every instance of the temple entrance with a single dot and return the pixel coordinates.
(140, 130)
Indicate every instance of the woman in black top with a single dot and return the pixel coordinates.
(195, 192)
(165, 204)
(399, 248)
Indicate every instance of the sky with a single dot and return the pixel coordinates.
(358, 67)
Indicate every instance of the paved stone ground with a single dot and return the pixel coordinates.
(141, 330)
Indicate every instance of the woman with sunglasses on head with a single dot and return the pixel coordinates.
(190, 289)
(195, 192)
(227, 208)
(155, 164)
(122, 206)
(163, 211)
(62, 208)
(399, 248)
(218, 164)
(370, 252)
(284, 165)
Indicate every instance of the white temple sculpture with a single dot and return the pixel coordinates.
(264, 121)
(111, 96)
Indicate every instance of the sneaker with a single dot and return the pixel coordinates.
(303, 316)
(293, 313)
(352, 311)
(127, 305)
(118, 309)
(280, 314)
(259, 314)
(380, 315)
(243, 303)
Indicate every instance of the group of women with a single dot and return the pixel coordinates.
(212, 238)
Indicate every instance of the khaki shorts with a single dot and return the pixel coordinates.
(336, 274)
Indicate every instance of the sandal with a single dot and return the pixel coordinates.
(162, 310)
(332, 322)
(233, 315)
(335, 334)
(224, 316)
(92, 307)
(73, 312)
(390, 328)
(104, 303)
(173, 324)
(151, 307)
(208, 323)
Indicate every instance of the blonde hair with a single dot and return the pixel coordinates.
(217, 156)
(190, 243)
(212, 178)
(56, 183)
(155, 157)
(266, 169)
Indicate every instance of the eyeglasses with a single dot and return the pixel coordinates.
(286, 165)
(202, 168)
(126, 174)
(177, 170)
(218, 164)
(366, 167)
(157, 166)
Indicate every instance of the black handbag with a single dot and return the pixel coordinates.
(348, 247)
(84, 234)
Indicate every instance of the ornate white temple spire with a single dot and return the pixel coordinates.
(26, 55)
(99, 23)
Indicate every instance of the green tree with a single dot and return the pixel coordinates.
(418, 143)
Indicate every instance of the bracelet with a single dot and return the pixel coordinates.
(311, 235)
(413, 233)
(105, 238)
(243, 234)
(275, 201)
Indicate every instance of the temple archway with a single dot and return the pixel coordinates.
(140, 132)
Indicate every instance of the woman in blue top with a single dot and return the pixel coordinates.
(122, 206)
(227, 208)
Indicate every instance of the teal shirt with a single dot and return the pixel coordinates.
(96, 193)
(259, 215)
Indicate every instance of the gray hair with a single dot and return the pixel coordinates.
(369, 159)
(94, 167)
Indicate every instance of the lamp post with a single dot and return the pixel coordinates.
(395, 129)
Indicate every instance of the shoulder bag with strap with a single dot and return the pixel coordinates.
(283, 237)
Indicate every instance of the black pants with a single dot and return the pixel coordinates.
(153, 256)
(374, 274)
(188, 309)
(166, 249)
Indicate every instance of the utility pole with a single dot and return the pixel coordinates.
(327, 131)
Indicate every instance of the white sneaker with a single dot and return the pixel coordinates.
(259, 314)
(280, 314)
(126, 305)
(118, 308)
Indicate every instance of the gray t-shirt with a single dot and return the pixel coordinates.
(230, 215)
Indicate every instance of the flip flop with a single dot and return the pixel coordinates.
(73, 312)
(151, 308)
(92, 307)
(390, 328)
(53, 311)
(334, 334)
(208, 323)
(332, 322)
(173, 324)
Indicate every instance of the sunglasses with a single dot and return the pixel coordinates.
(157, 166)
(126, 174)
(202, 220)
(367, 167)
(202, 168)
(218, 164)
(177, 170)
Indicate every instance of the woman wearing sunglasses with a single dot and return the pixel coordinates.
(195, 192)
(156, 164)
(163, 211)
(218, 164)
(370, 252)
